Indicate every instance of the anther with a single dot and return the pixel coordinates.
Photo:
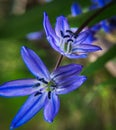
(42, 80)
(70, 40)
(66, 36)
(69, 31)
(62, 34)
(49, 94)
(75, 36)
(37, 93)
(37, 85)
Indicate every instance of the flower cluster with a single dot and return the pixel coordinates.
(45, 88)
(107, 25)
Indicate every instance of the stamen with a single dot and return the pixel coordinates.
(37, 85)
(42, 80)
(69, 48)
(70, 40)
(49, 94)
(75, 36)
(62, 34)
(69, 31)
(37, 93)
(65, 36)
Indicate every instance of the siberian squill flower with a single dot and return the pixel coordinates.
(64, 41)
(43, 91)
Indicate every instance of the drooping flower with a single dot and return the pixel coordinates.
(63, 39)
(43, 90)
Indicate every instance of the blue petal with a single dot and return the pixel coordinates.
(85, 48)
(35, 35)
(48, 28)
(101, 3)
(90, 39)
(51, 108)
(75, 9)
(70, 84)
(82, 37)
(50, 33)
(34, 63)
(96, 27)
(61, 25)
(105, 26)
(54, 44)
(18, 88)
(76, 56)
(29, 109)
(66, 71)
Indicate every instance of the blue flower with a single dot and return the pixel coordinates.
(100, 3)
(35, 35)
(43, 90)
(107, 25)
(63, 40)
(75, 9)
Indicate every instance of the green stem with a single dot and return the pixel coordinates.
(59, 61)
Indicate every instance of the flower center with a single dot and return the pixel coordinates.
(67, 40)
(51, 85)
(44, 86)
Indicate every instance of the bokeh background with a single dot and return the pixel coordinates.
(92, 106)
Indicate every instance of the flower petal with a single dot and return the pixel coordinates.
(61, 26)
(91, 38)
(66, 71)
(35, 35)
(96, 27)
(75, 9)
(48, 28)
(76, 55)
(82, 37)
(18, 88)
(29, 109)
(51, 108)
(54, 44)
(34, 63)
(70, 84)
(105, 26)
(101, 3)
(50, 33)
(84, 48)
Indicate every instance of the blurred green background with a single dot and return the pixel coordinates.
(92, 106)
